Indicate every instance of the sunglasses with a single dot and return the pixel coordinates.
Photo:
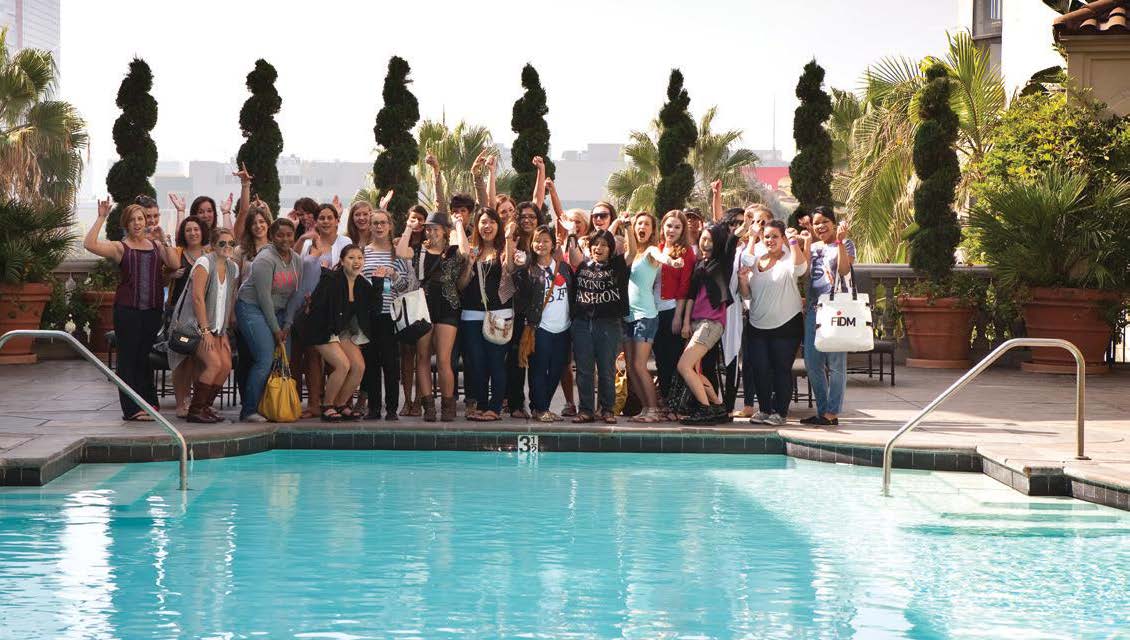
(597, 216)
(224, 244)
(380, 223)
(528, 216)
(145, 201)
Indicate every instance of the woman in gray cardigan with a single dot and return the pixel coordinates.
(206, 305)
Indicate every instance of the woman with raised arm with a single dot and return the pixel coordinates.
(705, 317)
(768, 279)
(138, 301)
(644, 260)
(600, 302)
(545, 291)
(412, 403)
(831, 255)
(255, 219)
(207, 306)
(671, 300)
(264, 309)
(487, 287)
(389, 269)
(338, 320)
(190, 246)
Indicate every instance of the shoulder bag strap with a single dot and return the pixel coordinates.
(482, 285)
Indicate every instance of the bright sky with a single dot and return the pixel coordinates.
(604, 63)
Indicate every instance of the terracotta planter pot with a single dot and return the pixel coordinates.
(103, 302)
(21, 307)
(1073, 315)
(938, 330)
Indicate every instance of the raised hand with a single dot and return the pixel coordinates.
(716, 186)
(242, 174)
(549, 184)
(474, 253)
(225, 206)
(178, 202)
(512, 230)
(337, 204)
(430, 160)
(387, 198)
(538, 162)
(790, 233)
(520, 258)
(842, 231)
(491, 161)
(413, 224)
(677, 263)
(104, 207)
(384, 272)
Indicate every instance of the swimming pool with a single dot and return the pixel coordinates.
(404, 544)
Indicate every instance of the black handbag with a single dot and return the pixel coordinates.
(183, 338)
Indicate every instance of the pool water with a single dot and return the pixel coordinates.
(387, 544)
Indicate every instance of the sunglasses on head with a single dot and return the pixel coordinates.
(145, 201)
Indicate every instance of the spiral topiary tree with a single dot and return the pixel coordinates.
(137, 153)
(398, 148)
(678, 137)
(528, 121)
(935, 163)
(260, 153)
(811, 168)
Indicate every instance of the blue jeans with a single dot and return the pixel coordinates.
(596, 342)
(484, 367)
(551, 353)
(261, 351)
(826, 371)
(769, 362)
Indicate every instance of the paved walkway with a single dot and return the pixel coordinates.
(1019, 420)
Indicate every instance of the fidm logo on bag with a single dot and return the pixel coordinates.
(840, 321)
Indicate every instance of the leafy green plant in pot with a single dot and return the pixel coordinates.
(1061, 242)
(98, 294)
(34, 239)
(938, 321)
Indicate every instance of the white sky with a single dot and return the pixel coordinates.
(604, 64)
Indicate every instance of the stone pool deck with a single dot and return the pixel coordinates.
(1016, 427)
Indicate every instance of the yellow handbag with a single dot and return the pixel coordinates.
(621, 384)
(280, 401)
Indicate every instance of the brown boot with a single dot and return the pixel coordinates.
(201, 395)
(447, 409)
(209, 409)
(429, 405)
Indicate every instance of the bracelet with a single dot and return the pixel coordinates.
(792, 241)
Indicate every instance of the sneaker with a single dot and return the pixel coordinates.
(255, 417)
(759, 418)
(720, 415)
(775, 420)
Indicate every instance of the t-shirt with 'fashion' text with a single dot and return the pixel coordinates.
(602, 289)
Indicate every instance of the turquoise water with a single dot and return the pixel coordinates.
(376, 544)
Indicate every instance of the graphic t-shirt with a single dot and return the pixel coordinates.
(822, 269)
(555, 316)
(602, 288)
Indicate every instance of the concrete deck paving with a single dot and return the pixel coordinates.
(1019, 426)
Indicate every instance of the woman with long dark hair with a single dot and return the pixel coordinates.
(831, 255)
(190, 246)
(414, 235)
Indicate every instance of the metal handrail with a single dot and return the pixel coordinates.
(1080, 389)
(125, 388)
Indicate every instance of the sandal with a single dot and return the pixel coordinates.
(646, 416)
(584, 417)
(488, 416)
(569, 411)
(347, 413)
(745, 412)
(548, 416)
(330, 414)
(520, 414)
(608, 417)
(140, 416)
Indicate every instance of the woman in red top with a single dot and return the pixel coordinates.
(671, 301)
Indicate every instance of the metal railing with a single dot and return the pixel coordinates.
(1080, 392)
(125, 388)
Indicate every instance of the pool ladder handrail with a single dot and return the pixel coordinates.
(125, 388)
(994, 355)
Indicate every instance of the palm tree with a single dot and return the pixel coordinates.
(713, 158)
(877, 183)
(41, 140)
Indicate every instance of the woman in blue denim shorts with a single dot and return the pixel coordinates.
(643, 259)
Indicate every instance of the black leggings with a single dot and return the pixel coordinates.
(382, 361)
(668, 348)
(135, 330)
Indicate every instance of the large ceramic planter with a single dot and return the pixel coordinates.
(103, 304)
(21, 307)
(939, 331)
(1074, 315)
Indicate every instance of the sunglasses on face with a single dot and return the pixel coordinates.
(528, 216)
(380, 223)
(599, 216)
(224, 244)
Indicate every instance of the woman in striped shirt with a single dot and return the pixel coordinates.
(382, 354)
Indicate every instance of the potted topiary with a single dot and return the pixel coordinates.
(1061, 242)
(98, 293)
(34, 239)
(937, 311)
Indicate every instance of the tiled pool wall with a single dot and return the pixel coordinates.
(1042, 483)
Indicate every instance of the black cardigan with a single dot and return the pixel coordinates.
(325, 315)
(530, 294)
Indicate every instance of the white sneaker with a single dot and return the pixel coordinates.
(759, 418)
(775, 420)
(255, 417)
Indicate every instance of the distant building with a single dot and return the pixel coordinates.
(1016, 33)
(32, 24)
(582, 176)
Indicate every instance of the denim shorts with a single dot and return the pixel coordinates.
(642, 330)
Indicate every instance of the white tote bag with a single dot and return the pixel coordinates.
(410, 312)
(843, 321)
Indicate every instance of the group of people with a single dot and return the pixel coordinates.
(525, 300)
